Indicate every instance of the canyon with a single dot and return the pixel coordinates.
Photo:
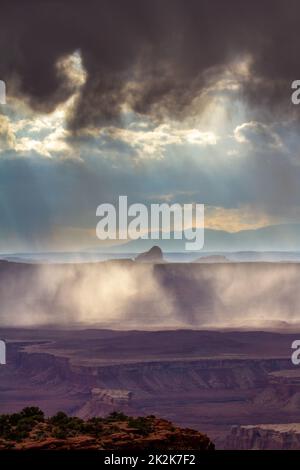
(206, 380)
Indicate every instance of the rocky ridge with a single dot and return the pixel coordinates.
(30, 430)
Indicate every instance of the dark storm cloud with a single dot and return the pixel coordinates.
(155, 55)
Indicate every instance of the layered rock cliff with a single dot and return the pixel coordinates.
(264, 437)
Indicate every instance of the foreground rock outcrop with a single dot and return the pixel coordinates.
(30, 430)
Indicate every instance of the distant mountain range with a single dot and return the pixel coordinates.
(272, 243)
(285, 237)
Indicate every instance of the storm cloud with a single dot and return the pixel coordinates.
(154, 56)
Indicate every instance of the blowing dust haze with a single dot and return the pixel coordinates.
(126, 295)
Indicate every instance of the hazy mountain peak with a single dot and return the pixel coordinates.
(154, 255)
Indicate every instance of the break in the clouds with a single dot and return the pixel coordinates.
(162, 101)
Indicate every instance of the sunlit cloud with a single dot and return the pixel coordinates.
(257, 133)
(236, 219)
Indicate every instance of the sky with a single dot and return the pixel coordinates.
(174, 101)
